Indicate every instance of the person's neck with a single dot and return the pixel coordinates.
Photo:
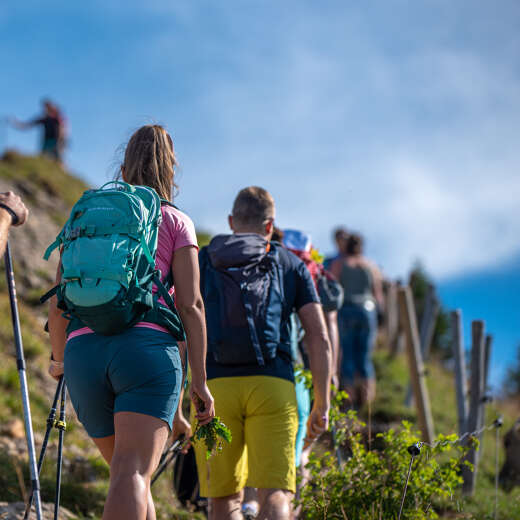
(249, 232)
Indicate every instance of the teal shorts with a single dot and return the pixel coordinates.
(137, 371)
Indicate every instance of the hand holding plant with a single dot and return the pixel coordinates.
(214, 434)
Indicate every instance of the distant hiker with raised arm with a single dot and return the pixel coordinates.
(363, 293)
(54, 130)
(250, 287)
(123, 252)
(12, 213)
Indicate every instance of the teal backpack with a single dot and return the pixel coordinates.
(108, 248)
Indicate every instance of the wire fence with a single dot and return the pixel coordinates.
(415, 451)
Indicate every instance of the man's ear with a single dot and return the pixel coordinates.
(123, 173)
(269, 228)
(230, 222)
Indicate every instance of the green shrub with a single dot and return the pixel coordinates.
(369, 485)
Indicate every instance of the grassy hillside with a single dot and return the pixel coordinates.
(392, 375)
(49, 192)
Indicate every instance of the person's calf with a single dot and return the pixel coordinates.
(226, 508)
(128, 497)
(275, 504)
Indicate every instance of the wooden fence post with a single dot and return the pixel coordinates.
(413, 349)
(426, 330)
(486, 397)
(392, 317)
(460, 369)
(487, 359)
(475, 406)
(428, 322)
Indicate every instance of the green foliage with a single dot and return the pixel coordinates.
(38, 173)
(203, 238)
(214, 434)
(302, 374)
(369, 485)
(392, 381)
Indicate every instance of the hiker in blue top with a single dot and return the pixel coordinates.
(120, 357)
(250, 287)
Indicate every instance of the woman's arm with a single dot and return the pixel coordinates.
(188, 300)
(57, 333)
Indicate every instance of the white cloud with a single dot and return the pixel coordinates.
(417, 151)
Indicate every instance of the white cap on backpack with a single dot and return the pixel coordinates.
(296, 240)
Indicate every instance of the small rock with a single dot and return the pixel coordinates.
(80, 469)
(12, 447)
(14, 429)
(15, 511)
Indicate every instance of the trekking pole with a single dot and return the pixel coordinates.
(167, 457)
(51, 421)
(62, 426)
(20, 363)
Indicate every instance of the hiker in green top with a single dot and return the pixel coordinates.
(125, 387)
(12, 213)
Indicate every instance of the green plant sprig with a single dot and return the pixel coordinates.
(214, 434)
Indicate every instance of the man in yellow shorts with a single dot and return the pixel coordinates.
(250, 287)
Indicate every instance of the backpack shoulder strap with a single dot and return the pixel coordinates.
(204, 264)
(165, 202)
(274, 255)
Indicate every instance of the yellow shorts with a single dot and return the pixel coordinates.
(262, 415)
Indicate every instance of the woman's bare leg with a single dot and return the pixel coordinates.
(137, 446)
(106, 447)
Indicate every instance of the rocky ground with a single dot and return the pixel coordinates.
(15, 511)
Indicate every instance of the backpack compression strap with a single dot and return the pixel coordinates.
(251, 325)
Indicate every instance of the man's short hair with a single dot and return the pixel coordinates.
(253, 207)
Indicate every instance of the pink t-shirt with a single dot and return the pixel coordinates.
(176, 231)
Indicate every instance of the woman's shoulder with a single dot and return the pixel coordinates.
(175, 216)
(179, 226)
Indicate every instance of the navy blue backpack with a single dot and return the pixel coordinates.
(242, 288)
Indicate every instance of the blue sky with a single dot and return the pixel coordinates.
(398, 119)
